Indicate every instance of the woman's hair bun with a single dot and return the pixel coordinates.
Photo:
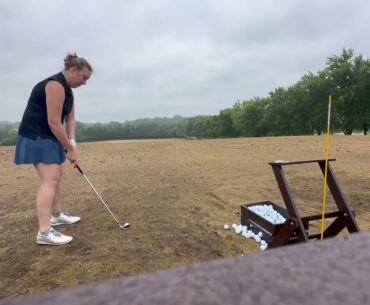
(72, 60)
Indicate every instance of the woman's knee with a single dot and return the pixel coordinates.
(50, 175)
(51, 181)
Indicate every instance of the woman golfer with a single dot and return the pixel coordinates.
(42, 141)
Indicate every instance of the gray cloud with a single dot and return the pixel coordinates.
(162, 58)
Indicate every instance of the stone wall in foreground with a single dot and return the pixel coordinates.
(335, 271)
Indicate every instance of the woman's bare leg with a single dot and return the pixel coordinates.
(50, 176)
(57, 205)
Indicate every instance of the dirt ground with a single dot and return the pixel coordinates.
(178, 194)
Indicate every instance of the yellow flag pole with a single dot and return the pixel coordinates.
(326, 171)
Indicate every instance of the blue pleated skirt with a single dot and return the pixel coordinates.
(46, 151)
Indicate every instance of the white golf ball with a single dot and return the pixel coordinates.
(257, 238)
(226, 227)
(268, 213)
(263, 247)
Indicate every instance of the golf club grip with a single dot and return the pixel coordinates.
(80, 170)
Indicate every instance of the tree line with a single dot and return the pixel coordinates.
(300, 109)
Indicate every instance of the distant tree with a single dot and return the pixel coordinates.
(11, 138)
(280, 112)
(314, 91)
(362, 68)
(180, 129)
(249, 117)
(4, 131)
(342, 72)
(225, 124)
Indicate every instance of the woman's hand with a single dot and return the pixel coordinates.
(72, 157)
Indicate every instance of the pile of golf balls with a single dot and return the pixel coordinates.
(265, 211)
(244, 231)
(268, 212)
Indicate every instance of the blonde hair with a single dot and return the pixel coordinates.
(72, 60)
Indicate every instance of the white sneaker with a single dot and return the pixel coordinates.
(63, 218)
(52, 237)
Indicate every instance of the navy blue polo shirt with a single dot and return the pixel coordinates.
(35, 119)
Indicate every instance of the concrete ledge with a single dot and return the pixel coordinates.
(335, 271)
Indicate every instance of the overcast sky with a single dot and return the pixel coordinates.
(160, 58)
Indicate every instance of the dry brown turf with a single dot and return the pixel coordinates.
(178, 194)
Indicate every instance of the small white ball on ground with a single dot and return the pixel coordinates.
(263, 242)
(257, 238)
(251, 233)
(226, 227)
(263, 247)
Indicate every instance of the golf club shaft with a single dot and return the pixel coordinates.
(96, 192)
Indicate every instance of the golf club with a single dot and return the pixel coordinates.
(124, 226)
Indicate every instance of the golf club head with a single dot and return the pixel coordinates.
(125, 226)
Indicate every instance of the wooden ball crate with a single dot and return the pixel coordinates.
(296, 228)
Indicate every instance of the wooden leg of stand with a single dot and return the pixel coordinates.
(335, 227)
